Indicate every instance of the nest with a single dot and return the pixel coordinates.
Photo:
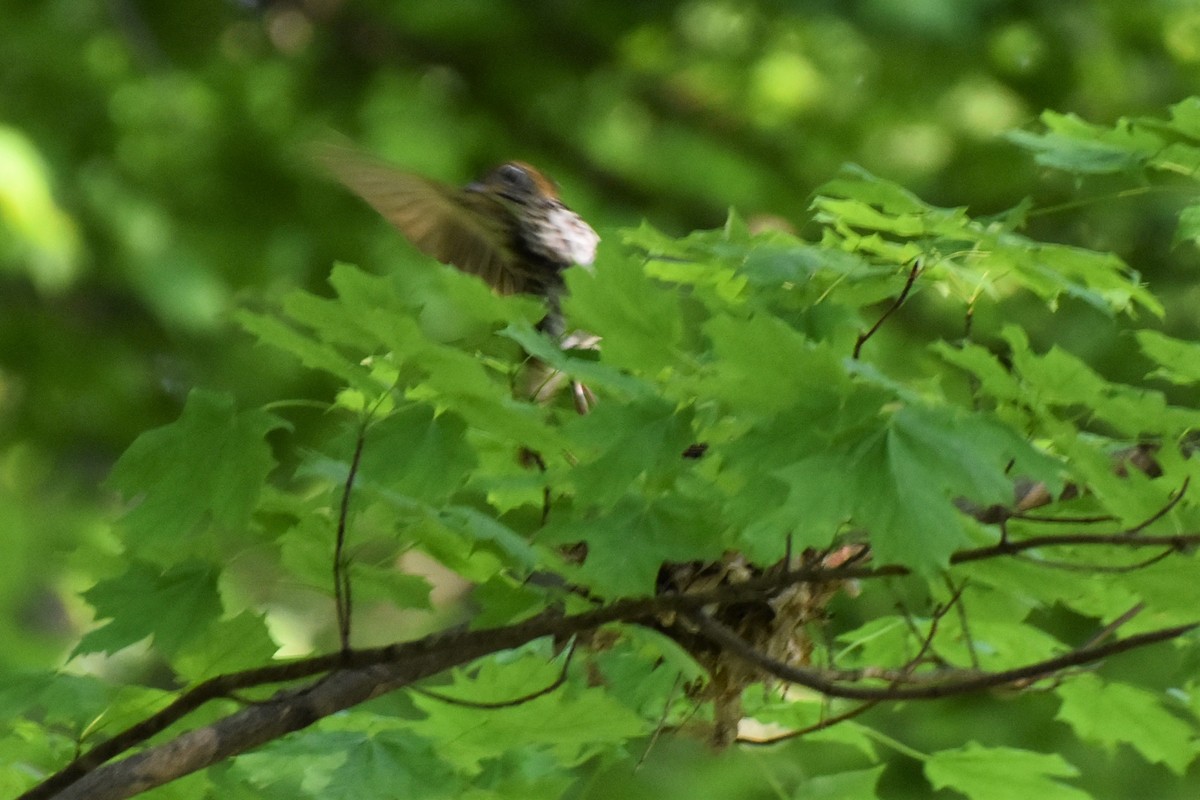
(781, 627)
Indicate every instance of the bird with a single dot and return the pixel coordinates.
(509, 227)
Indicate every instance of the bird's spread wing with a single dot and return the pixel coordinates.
(446, 223)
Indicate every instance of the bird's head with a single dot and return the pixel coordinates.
(517, 182)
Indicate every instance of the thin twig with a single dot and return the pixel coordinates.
(1173, 501)
(1082, 520)
(915, 661)
(341, 575)
(1111, 628)
(662, 720)
(926, 639)
(955, 601)
(899, 301)
(950, 684)
(963, 622)
(1070, 205)
(516, 701)
(828, 722)
(1093, 569)
(1178, 542)
(1162, 512)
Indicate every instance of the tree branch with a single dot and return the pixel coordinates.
(958, 682)
(516, 701)
(341, 570)
(408, 662)
(403, 663)
(828, 722)
(899, 301)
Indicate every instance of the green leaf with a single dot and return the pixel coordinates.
(749, 354)
(453, 544)
(1170, 591)
(859, 784)
(298, 765)
(207, 467)
(227, 645)
(1188, 229)
(1071, 155)
(1179, 361)
(628, 544)
(770, 265)
(484, 532)
(1179, 158)
(175, 606)
(1185, 117)
(802, 709)
(57, 698)
(968, 256)
(599, 376)
(966, 455)
(573, 722)
(650, 239)
(858, 183)
(1101, 280)
(796, 474)
(894, 469)
(1002, 773)
(399, 760)
(311, 352)
(1024, 583)
(1077, 146)
(1059, 379)
(881, 640)
(306, 552)
(994, 378)
(642, 324)
(522, 772)
(388, 584)
(417, 453)
(616, 444)
(1117, 713)
(502, 600)
(643, 669)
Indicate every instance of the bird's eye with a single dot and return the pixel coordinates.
(514, 176)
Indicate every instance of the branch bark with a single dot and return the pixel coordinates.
(949, 684)
(353, 676)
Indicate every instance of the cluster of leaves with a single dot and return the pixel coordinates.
(819, 427)
(1133, 145)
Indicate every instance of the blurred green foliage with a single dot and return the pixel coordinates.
(151, 183)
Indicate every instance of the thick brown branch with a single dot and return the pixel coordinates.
(437, 653)
(250, 727)
(412, 661)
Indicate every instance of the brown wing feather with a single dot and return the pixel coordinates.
(448, 224)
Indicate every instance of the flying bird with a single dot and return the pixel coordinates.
(510, 228)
